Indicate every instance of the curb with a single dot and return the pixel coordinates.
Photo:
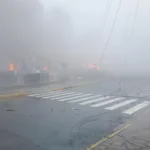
(93, 146)
(19, 94)
(24, 85)
(13, 95)
(72, 86)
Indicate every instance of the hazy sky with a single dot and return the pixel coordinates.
(87, 15)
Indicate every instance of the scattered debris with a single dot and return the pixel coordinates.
(9, 110)
(74, 108)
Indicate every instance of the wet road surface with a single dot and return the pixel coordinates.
(45, 124)
(39, 123)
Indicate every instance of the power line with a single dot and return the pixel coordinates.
(105, 15)
(133, 26)
(108, 41)
(134, 20)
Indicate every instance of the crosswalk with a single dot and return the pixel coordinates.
(127, 106)
(142, 92)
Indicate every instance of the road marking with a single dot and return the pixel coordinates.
(136, 108)
(34, 95)
(95, 100)
(92, 147)
(71, 86)
(67, 96)
(107, 102)
(83, 99)
(121, 104)
(60, 94)
(48, 94)
(68, 99)
(13, 95)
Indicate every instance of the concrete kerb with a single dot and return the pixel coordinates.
(6, 96)
(95, 145)
(72, 86)
(19, 94)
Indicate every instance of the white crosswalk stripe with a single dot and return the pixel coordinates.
(136, 108)
(121, 104)
(60, 94)
(42, 94)
(68, 96)
(53, 94)
(107, 102)
(95, 101)
(83, 99)
(71, 98)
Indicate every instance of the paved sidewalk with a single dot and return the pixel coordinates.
(135, 137)
(46, 87)
(62, 86)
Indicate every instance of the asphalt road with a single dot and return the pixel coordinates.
(121, 86)
(34, 123)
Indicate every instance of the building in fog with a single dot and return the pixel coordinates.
(21, 30)
(58, 35)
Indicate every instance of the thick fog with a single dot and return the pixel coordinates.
(111, 33)
(128, 48)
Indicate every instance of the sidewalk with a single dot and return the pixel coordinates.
(44, 87)
(60, 86)
(135, 137)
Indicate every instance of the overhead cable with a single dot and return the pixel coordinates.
(111, 31)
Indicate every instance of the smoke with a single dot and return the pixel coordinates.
(128, 49)
(78, 31)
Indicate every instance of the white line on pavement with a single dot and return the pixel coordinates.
(95, 100)
(68, 99)
(57, 95)
(121, 104)
(83, 99)
(136, 108)
(107, 102)
(42, 94)
(65, 96)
